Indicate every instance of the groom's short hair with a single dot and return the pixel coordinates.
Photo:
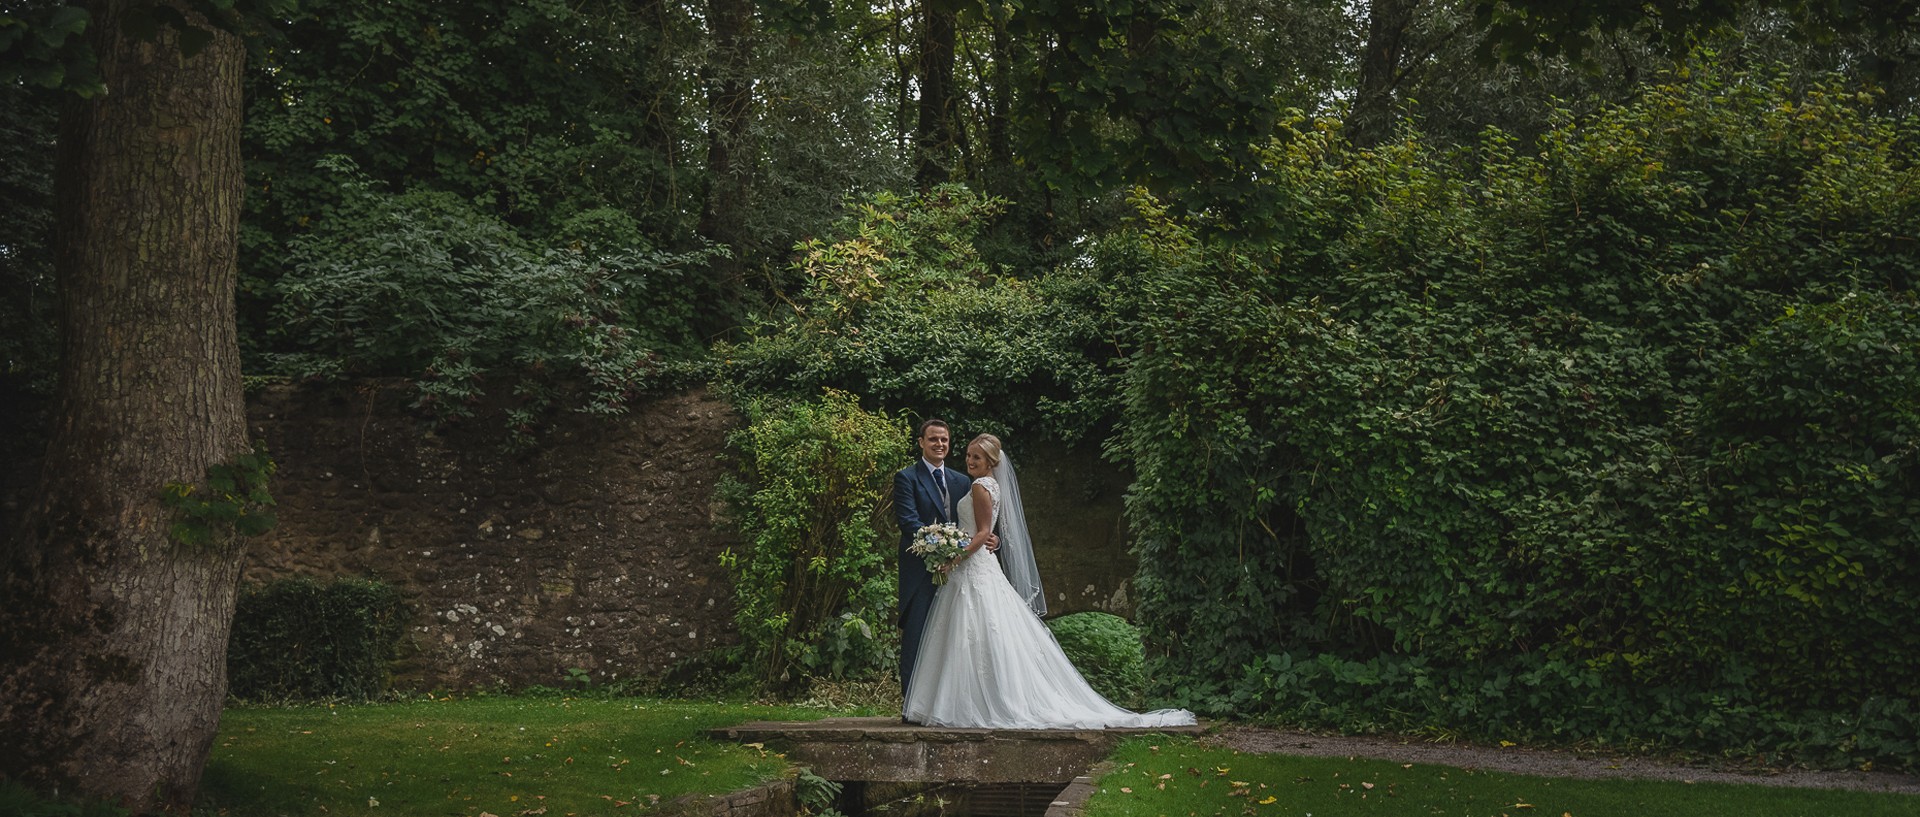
(931, 422)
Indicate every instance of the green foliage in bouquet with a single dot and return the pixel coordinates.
(304, 639)
(1106, 649)
(1614, 441)
(814, 582)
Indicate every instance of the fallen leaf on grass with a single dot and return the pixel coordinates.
(1125, 790)
(1269, 800)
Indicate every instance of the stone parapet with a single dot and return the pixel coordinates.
(886, 750)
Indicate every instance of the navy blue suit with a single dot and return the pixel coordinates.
(916, 503)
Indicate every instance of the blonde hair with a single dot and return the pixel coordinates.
(990, 446)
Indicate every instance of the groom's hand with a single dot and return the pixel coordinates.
(991, 542)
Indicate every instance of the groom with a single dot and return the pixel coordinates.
(924, 493)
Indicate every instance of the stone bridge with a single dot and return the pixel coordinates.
(886, 750)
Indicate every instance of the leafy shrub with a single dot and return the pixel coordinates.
(300, 638)
(1106, 649)
(423, 284)
(897, 307)
(1613, 442)
(814, 583)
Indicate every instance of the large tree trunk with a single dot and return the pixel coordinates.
(934, 136)
(114, 637)
(729, 111)
(1389, 22)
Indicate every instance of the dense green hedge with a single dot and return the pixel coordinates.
(300, 638)
(1618, 440)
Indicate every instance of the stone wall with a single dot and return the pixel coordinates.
(597, 550)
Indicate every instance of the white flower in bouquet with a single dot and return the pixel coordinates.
(939, 544)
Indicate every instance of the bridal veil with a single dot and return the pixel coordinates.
(1016, 546)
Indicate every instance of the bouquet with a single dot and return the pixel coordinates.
(939, 544)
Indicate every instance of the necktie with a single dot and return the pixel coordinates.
(946, 502)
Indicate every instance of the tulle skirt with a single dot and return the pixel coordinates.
(987, 662)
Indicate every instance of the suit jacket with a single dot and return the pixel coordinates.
(916, 503)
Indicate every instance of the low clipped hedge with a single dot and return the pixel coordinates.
(303, 638)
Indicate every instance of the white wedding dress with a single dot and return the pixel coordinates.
(986, 661)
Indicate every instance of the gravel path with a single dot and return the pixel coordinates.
(1547, 762)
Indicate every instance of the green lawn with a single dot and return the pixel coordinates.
(553, 756)
(1178, 778)
(503, 755)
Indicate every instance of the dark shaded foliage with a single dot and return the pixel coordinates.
(300, 638)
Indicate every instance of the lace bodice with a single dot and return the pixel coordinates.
(966, 505)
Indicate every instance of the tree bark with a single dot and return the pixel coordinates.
(934, 137)
(1000, 95)
(729, 111)
(113, 638)
(1370, 121)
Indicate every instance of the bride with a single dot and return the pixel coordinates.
(986, 659)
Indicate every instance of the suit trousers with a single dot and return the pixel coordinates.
(913, 623)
